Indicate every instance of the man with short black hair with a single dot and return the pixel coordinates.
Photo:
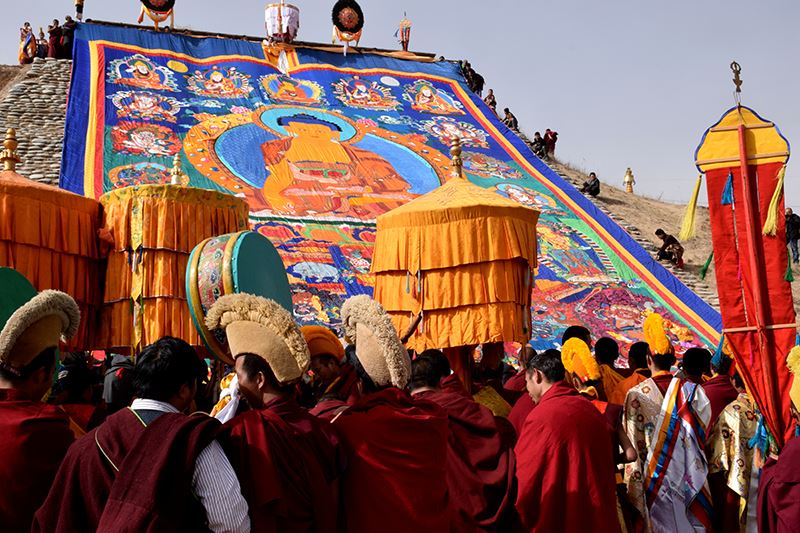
(565, 470)
(671, 250)
(150, 467)
(606, 351)
(287, 459)
(34, 436)
(591, 186)
(638, 354)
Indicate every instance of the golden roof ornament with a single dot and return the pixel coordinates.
(737, 81)
(629, 181)
(176, 174)
(458, 163)
(9, 155)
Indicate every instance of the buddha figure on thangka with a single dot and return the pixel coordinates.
(316, 162)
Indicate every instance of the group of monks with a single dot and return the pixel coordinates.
(392, 443)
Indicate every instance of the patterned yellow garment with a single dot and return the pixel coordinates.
(728, 450)
(642, 408)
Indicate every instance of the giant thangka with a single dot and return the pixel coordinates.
(321, 152)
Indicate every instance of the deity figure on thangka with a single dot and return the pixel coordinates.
(139, 71)
(282, 89)
(426, 98)
(145, 105)
(361, 94)
(219, 83)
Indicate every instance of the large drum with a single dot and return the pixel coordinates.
(244, 262)
(282, 22)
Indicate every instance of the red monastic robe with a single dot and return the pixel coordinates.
(125, 476)
(288, 464)
(779, 492)
(720, 392)
(565, 468)
(519, 413)
(34, 437)
(517, 382)
(396, 455)
(480, 465)
(344, 392)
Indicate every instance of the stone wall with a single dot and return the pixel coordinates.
(36, 106)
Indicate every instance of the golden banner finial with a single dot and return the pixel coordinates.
(176, 174)
(455, 151)
(737, 81)
(9, 155)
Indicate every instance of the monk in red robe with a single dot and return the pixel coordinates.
(517, 382)
(149, 467)
(287, 459)
(34, 436)
(637, 362)
(396, 446)
(606, 351)
(565, 468)
(480, 464)
(334, 379)
(779, 487)
(720, 389)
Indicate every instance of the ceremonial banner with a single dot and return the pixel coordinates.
(321, 152)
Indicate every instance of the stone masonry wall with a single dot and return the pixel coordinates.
(36, 106)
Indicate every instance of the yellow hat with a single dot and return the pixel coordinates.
(656, 336)
(578, 360)
(262, 327)
(322, 341)
(378, 347)
(793, 362)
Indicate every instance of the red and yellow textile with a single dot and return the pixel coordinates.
(743, 157)
(462, 256)
(154, 229)
(50, 236)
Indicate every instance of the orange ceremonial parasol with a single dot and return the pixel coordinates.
(50, 236)
(154, 229)
(462, 256)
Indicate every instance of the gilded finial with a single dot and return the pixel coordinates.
(737, 80)
(176, 174)
(455, 151)
(9, 155)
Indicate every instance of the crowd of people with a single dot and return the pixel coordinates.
(57, 45)
(361, 435)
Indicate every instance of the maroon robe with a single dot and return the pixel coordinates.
(125, 476)
(720, 392)
(779, 492)
(565, 468)
(288, 464)
(85, 415)
(34, 437)
(343, 392)
(517, 382)
(480, 465)
(397, 454)
(519, 413)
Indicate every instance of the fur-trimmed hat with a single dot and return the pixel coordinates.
(322, 341)
(656, 336)
(31, 321)
(258, 326)
(378, 348)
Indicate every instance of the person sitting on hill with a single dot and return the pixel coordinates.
(538, 146)
(510, 120)
(671, 250)
(491, 101)
(591, 186)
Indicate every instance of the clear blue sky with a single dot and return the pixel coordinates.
(624, 82)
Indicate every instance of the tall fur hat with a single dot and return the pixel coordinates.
(258, 326)
(31, 321)
(378, 347)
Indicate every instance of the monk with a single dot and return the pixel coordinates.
(73, 392)
(34, 436)
(637, 361)
(524, 405)
(287, 459)
(606, 351)
(149, 467)
(779, 489)
(719, 388)
(517, 382)
(334, 379)
(480, 466)
(565, 470)
(396, 446)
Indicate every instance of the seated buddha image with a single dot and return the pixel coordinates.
(428, 99)
(361, 94)
(314, 171)
(142, 74)
(290, 91)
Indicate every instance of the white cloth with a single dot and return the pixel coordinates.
(214, 482)
(229, 411)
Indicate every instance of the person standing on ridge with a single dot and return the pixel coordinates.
(793, 234)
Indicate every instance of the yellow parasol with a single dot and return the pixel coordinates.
(463, 257)
(50, 236)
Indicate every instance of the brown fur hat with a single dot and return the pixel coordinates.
(378, 347)
(258, 326)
